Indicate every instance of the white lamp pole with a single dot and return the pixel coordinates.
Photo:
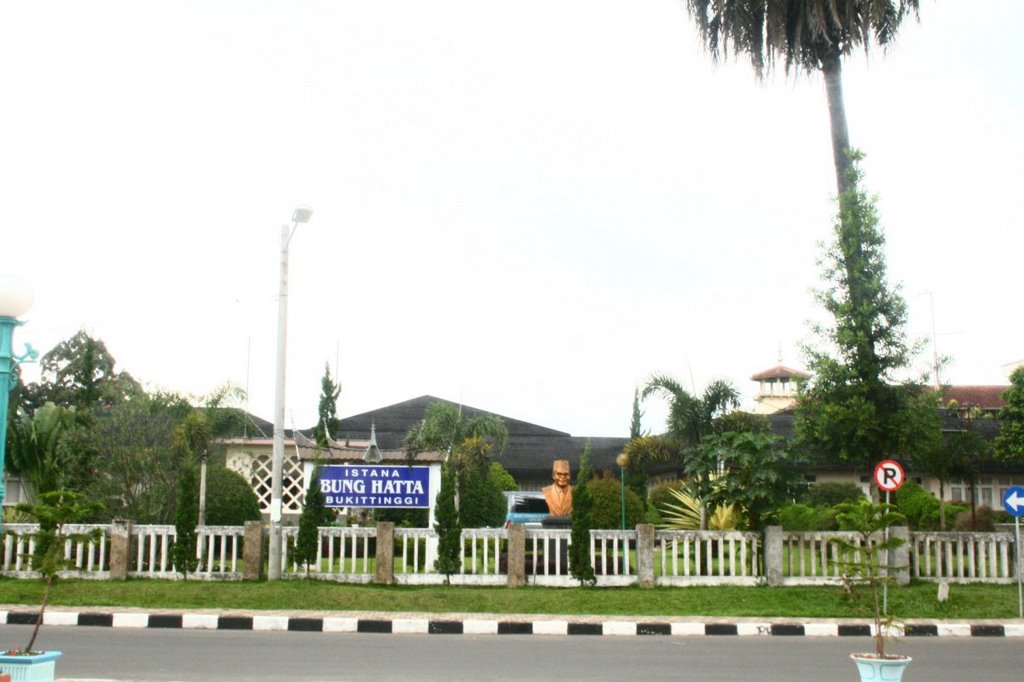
(15, 300)
(300, 215)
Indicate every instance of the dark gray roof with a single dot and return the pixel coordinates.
(531, 448)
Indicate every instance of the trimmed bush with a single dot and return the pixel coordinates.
(919, 506)
(607, 509)
(830, 494)
(802, 517)
(230, 500)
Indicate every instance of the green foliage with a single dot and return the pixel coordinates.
(1009, 444)
(230, 500)
(447, 524)
(443, 428)
(661, 495)
(854, 406)
(192, 435)
(314, 515)
(186, 518)
(756, 474)
(500, 478)
(690, 417)
(920, 507)
(862, 560)
(802, 517)
(481, 502)
(606, 513)
(830, 493)
(682, 511)
(637, 415)
(139, 472)
(79, 372)
(580, 566)
(52, 448)
(742, 422)
(55, 511)
(981, 519)
(403, 518)
(328, 422)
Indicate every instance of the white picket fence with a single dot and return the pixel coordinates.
(681, 558)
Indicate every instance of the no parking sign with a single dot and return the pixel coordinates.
(889, 475)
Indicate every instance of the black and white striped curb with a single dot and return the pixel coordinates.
(512, 626)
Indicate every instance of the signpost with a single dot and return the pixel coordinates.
(1013, 503)
(889, 476)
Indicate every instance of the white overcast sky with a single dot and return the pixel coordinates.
(527, 206)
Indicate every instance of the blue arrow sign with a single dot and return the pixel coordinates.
(1013, 501)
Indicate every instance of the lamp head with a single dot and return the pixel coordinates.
(302, 214)
(15, 296)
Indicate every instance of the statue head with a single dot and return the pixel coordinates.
(560, 472)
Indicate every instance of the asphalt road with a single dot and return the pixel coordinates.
(94, 653)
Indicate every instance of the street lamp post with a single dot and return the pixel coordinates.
(15, 300)
(299, 215)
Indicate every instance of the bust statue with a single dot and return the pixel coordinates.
(559, 494)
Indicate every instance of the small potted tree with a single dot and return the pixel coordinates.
(865, 562)
(54, 511)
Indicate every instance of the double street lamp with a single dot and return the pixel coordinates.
(15, 300)
(299, 215)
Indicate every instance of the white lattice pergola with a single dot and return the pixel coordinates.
(292, 483)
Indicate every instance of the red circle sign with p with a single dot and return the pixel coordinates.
(889, 475)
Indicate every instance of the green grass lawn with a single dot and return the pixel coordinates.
(911, 602)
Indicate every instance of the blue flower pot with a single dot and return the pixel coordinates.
(34, 668)
(874, 669)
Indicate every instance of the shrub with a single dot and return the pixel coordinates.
(802, 517)
(919, 506)
(830, 494)
(797, 517)
(981, 520)
(607, 500)
(230, 500)
(660, 494)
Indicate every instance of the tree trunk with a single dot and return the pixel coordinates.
(833, 72)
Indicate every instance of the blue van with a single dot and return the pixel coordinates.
(527, 508)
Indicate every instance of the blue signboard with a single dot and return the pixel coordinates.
(1013, 501)
(376, 486)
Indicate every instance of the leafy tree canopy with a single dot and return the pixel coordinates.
(80, 372)
(1009, 444)
(854, 405)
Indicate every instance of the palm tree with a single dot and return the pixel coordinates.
(690, 417)
(444, 428)
(690, 420)
(805, 35)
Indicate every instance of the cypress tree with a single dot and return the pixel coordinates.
(314, 514)
(186, 518)
(582, 522)
(327, 410)
(447, 526)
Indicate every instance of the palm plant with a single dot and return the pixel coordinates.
(685, 514)
(691, 420)
(444, 427)
(805, 35)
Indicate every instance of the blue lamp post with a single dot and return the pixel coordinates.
(15, 300)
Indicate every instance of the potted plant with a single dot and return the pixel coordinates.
(865, 561)
(54, 511)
